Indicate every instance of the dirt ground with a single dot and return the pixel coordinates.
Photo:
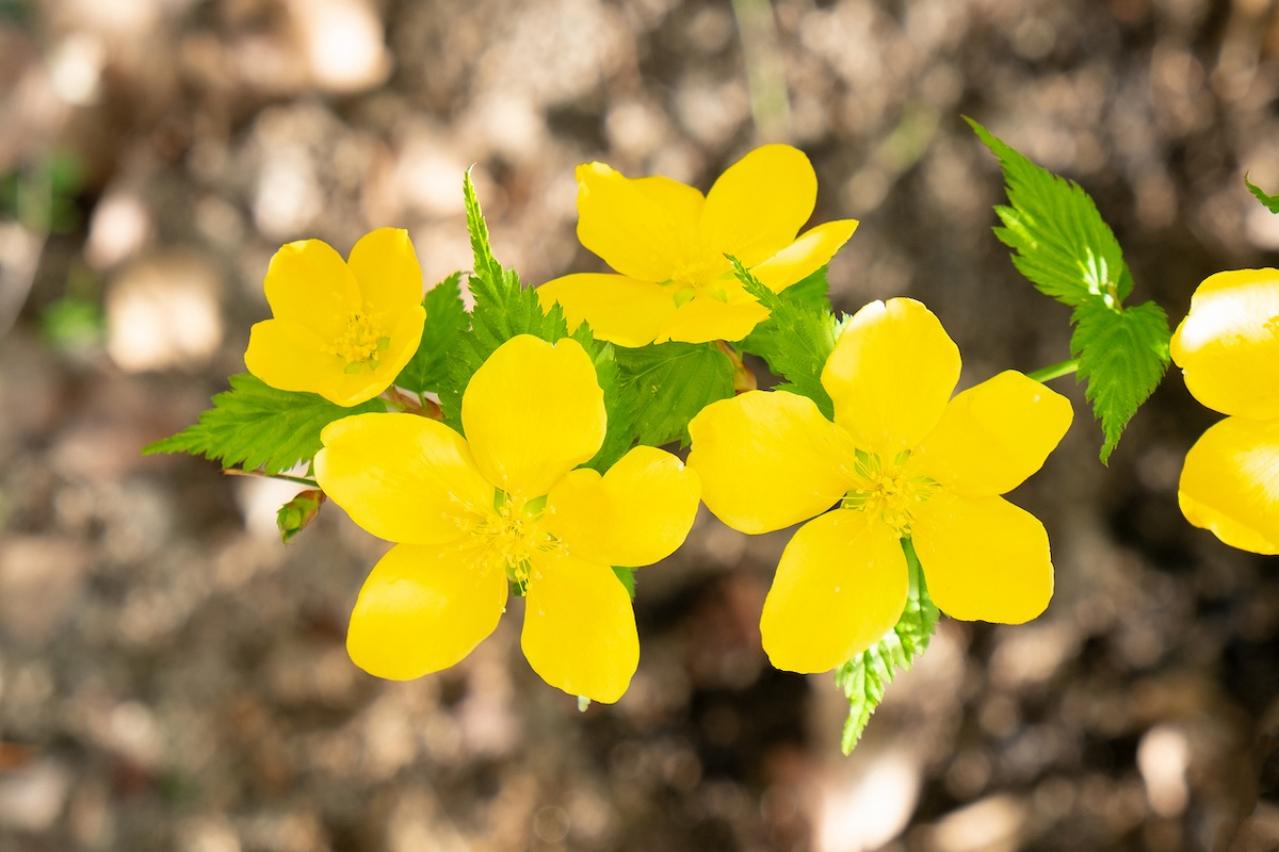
(172, 677)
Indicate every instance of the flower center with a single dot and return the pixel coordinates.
(888, 490)
(514, 532)
(360, 342)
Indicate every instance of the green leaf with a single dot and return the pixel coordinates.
(665, 385)
(798, 335)
(866, 677)
(503, 309)
(1122, 356)
(446, 322)
(1271, 202)
(1060, 241)
(256, 426)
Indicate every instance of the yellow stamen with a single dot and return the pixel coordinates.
(888, 490)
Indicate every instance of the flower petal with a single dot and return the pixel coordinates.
(984, 558)
(388, 273)
(707, 318)
(809, 253)
(890, 375)
(532, 412)
(1230, 484)
(638, 513)
(759, 204)
(579, 629)
(768, 460)
(993, 436)
(841, 584)
(644, 228)
(423, 609)
(291, 357)
(1228, 345)
(309, 283)
(402, 477)
(620, 310)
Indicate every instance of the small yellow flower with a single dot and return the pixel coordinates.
(505, 504)
(1228, 350)
(342, 329)
(902, 459)
(668, 243)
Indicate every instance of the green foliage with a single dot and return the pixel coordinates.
(1271, 202)
(503, 309)
(42, 197)
(664, 386)
(256, 426)
(73, 322)
(866, 676)
(446, 322)
(1062, 244)
(1064, 247)
(798, 335)
(1122, 357)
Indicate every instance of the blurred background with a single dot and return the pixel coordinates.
(172, 677)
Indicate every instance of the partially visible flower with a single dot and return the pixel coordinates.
(902, 460)
(1228, 350)
(668, 244)
(342, 329)
(504, 504)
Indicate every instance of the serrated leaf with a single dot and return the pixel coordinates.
(446, 322)
(504, 308)
(798, 335)
(256, 426)
(1271, 202)
(865, 678)
(1122, 356)
(1061, 243)
(665, 385)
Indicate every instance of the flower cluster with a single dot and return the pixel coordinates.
(515, 448)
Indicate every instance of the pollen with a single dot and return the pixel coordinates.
(890, 491)
(361, 341)
(514, 533)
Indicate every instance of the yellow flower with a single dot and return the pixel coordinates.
(342, 329)
(668, 244)
(1228, 350)
(505, 504)
(902, 459)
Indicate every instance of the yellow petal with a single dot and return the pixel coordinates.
(984, 558)
(813, 250)
(291, 357)
(707, 318)
(840, 585)
(1228, 345)
(759, 204)
(423, 609)
(388, 273)
(1230, 484)
(644, 228)
(993, 436)
(638, 513)
(579, 630)
(532, 412)
(308, 283)
(768, 460)
(619, 309)
(891, 374)
(402, 477)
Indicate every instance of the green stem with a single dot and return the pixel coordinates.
(1055, 371)
(300, 480)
